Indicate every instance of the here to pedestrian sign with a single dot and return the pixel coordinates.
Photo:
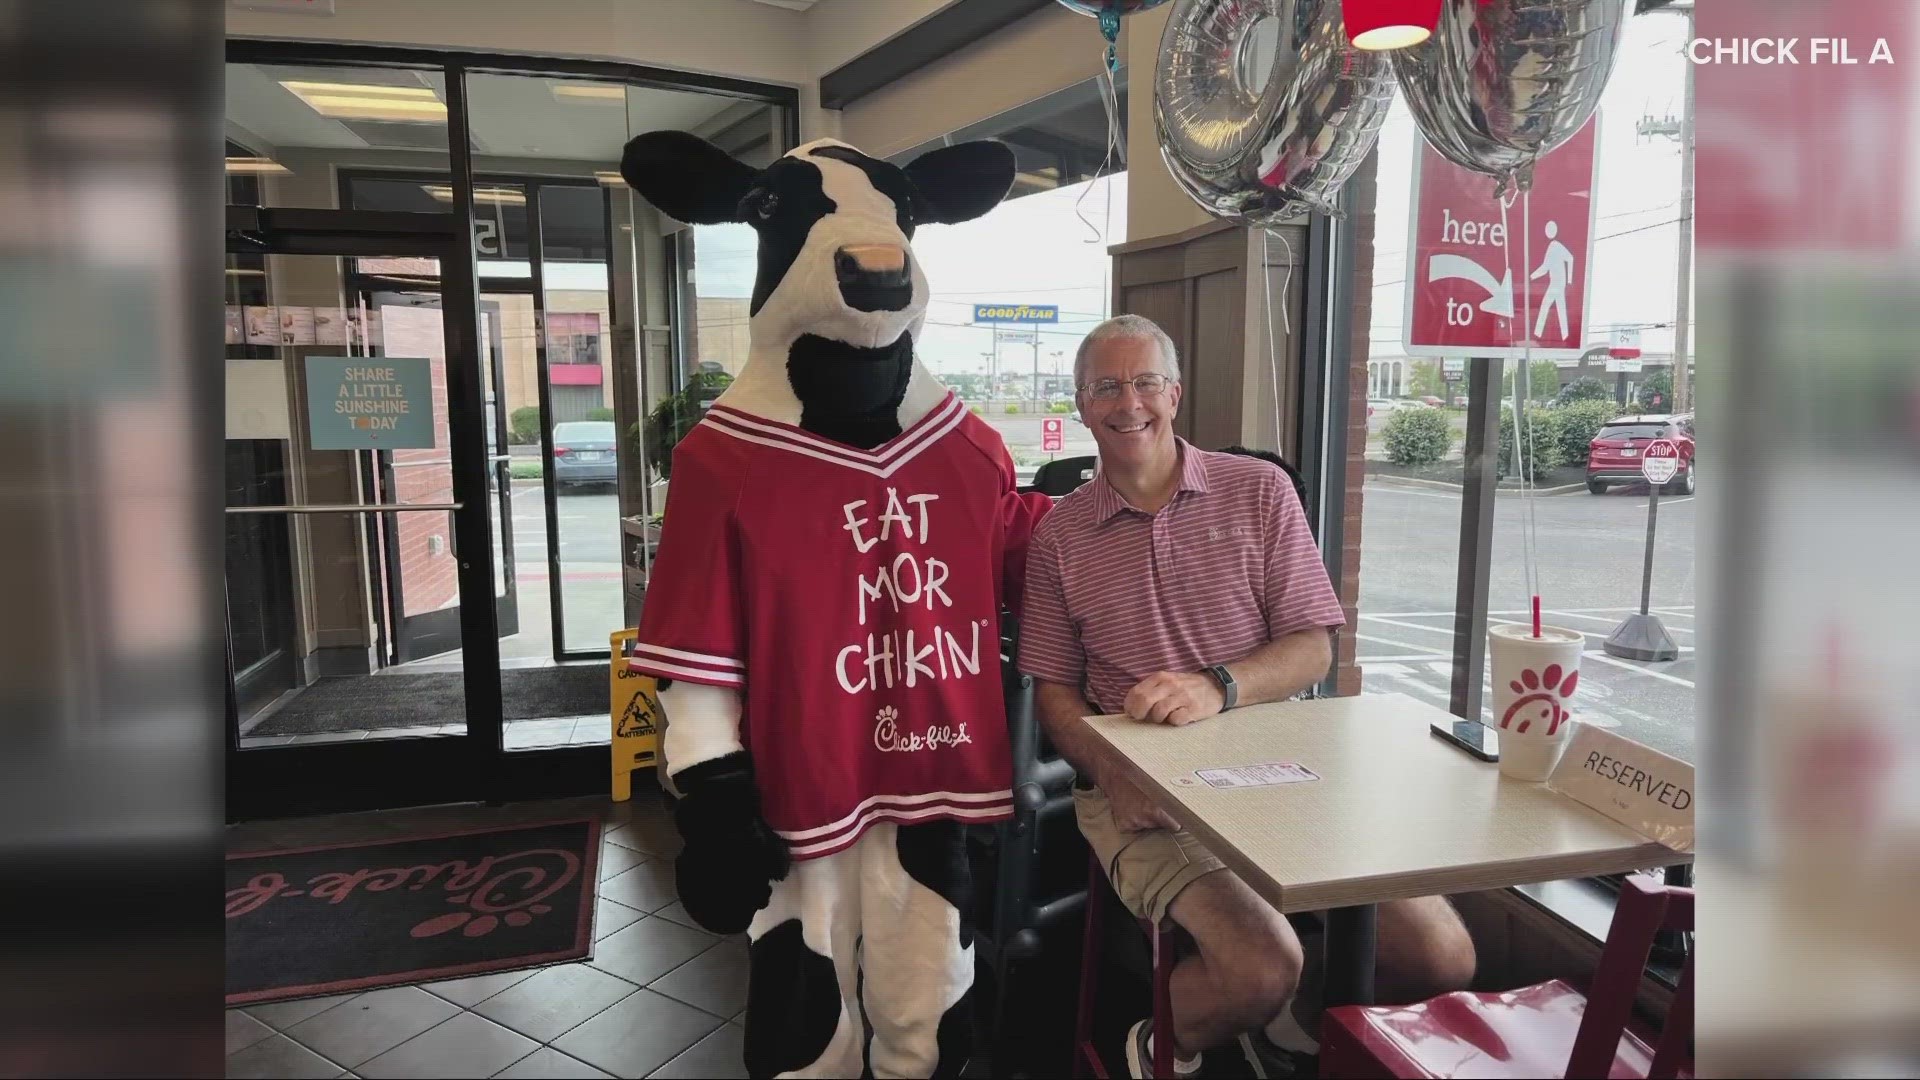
(366, 403)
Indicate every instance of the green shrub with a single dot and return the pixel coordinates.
(1542, 430)
(1013, 408)
(1417, 436)
(523, 425)
(1579, 423)
(1060, 407)
(670, 420)
(600, 414)
(1657, 385)
(976, 409)
(526, 468)
(1586, 388)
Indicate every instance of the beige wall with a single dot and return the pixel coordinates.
(1049, 50)
(1155, 205)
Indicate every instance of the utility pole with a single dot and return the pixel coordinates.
(1683, 298)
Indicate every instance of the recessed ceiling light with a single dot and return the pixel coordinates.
(611, 179)
(255, 165)
(495, 195)
(603, 92)
(361, 101)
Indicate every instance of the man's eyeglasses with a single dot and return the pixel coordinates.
(1144, 385)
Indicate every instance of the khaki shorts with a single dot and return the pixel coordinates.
(1147, 869)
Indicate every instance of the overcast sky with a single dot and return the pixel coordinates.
(1041, 249)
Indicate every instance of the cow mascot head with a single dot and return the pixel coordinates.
(841, 535)
(838, 297)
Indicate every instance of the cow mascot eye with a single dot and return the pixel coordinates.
(759, 206)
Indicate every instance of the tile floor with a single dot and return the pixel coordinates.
(660, 997)
(520, 735)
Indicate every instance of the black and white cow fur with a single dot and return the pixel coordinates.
(874, 936)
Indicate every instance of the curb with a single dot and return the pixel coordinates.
(1502, 486)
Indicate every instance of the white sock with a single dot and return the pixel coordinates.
(1183, 1066)
(1289, 1033)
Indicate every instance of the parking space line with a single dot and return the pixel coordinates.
(1605, 659)
(1390, 641)
(1411, 626)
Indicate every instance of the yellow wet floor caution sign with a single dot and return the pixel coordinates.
(636, 713)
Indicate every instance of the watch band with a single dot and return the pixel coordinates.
(1227, 686)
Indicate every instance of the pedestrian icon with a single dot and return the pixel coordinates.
(1557, 268)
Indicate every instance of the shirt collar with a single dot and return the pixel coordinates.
(1107, 501)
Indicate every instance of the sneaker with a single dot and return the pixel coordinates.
(1270, 1062)
(1140, 1054)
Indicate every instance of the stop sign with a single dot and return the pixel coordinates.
(1660, 462)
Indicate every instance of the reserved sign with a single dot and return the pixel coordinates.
(1635, 785)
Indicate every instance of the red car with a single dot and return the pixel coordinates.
(1613, 457)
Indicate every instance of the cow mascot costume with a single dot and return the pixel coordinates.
(823, 616)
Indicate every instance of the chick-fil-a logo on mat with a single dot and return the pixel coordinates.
(1542, 697)
(487, 893)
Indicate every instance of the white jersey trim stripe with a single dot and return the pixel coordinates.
(936, 416)
(883, 473)
(707, 675)
(682, 654)
(899, 801)
(827, 847)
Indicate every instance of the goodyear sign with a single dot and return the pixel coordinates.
(1016, 313)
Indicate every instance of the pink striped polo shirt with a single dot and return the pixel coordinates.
(1115, 594)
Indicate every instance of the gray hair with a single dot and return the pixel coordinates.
(1126, 326)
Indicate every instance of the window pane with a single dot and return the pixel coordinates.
(294, 131)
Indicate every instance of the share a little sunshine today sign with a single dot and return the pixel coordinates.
(359, 403)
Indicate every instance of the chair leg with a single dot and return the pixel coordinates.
(1086, 1060)
(1163, 961)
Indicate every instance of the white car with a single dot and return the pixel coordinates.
(1375, 405)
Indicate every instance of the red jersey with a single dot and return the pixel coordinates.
(853, 597)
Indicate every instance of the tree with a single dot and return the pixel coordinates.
(1543, 381)
(1586, 388)
(1417, 436)
(1656, 392)
(1425, 379)
(1579, 423)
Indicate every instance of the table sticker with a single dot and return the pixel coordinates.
(1267, 774)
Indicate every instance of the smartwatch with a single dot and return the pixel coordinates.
(1225, 678)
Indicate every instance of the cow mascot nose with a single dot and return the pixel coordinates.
(873, 277)
(841, 540)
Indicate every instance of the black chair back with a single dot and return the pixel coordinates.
(1062, 475)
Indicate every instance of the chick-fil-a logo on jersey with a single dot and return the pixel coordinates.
(1543, 695)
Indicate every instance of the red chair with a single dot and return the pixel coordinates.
(1086, 1060)
(1549, 1029)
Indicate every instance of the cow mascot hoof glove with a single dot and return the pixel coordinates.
(841, 536)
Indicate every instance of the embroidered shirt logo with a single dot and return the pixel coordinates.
(888, 737)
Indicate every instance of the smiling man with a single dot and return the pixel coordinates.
(1176, 584)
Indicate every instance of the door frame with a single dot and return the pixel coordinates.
(534, 187)
(311, 778)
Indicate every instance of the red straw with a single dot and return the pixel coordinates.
(1536, 615)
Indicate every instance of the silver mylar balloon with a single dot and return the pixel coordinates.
(1123, 7)
(1263, 108)
(1502, 82)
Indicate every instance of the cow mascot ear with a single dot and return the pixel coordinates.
(688, 178)
(960, 182)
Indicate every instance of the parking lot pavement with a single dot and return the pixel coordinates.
(1590, 556)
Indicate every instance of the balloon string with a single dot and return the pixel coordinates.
(1531, 503)
(1524, 449)
(1110, 100)
(1273, 343)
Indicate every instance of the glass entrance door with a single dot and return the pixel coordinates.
(367, 500)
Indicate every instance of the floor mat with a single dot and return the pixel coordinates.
(350, 917)
(426, 699)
